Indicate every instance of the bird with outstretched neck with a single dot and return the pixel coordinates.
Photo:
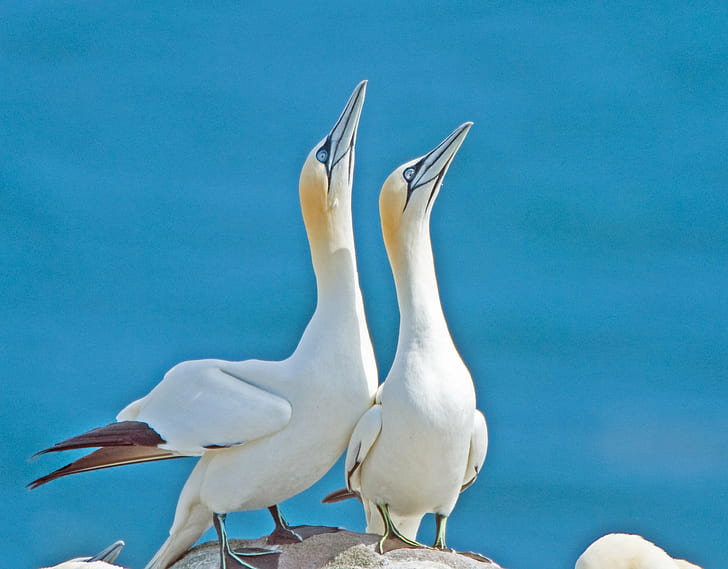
(423, 441)
(264, 431)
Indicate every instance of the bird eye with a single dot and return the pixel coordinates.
(408, 174)
(322, 155)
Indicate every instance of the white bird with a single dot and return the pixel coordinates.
(265, 431)
(102, 560)
(423, 441)
(628, 551)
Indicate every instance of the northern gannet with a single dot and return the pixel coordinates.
(628, 551)
(102, 560)
(265, 431)
(423, 441)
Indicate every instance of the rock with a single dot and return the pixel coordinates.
(341, 550)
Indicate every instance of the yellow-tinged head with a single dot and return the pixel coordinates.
(327, 175)
(407, 195)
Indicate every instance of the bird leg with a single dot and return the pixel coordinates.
(440, 526)
(440, 523)
(293, 534)
(230, 559)
(392, 534)
(283, 532)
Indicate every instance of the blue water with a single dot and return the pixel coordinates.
(149, 214)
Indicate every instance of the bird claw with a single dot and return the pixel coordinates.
(307, 531)
(265, 558)
(255, 551)
(392, 542)
(282, 536)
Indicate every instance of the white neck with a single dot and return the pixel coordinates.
(339, 313)
(421, 316)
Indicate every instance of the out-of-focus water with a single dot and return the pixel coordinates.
(149, 214)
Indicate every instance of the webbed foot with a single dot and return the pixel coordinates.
(284, 534)
(307, 531)
(391, 542)
(264, 558)
(229, 559)
(392, 538)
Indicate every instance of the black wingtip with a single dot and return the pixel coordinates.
(41, 452)
(122, 433)
(45, 479)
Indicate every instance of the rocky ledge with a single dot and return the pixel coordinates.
(341, 550)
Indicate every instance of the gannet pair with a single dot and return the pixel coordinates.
(423, 441)
(628, 551)
(102, 560)
(264, 431)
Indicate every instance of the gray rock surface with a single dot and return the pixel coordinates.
(342, 550)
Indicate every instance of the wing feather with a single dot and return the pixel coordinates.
(106, 458)
(207, 404)
(362, 440)
(478, 449)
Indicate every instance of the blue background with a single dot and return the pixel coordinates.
(149, 214)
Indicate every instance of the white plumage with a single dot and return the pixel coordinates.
(628, 551)
(423, 441)
(265, 431)
(102, 560)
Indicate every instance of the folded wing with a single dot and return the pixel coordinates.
(199, 406)
(208, 404)
(361, 442)
(478, 449)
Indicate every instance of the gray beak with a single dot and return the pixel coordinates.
(108, 554)
(340, 141)
(434, 164)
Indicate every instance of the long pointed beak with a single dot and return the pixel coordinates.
(434, 164)
(342, 137)
(109, 554)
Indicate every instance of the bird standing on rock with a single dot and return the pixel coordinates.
(264, 431)
(423, 441)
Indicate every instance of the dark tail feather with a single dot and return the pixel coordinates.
(340, 496)
(106, 458)
(123, 433)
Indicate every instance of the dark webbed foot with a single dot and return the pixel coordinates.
(229, 559)
(392, 538)
(391, 542)
(307, 531)
(242, 558)
(284, 534)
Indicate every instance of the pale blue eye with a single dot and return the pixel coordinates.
(322, 155)
(408, 174)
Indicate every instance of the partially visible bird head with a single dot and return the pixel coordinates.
(407, 195)
(327, 175)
